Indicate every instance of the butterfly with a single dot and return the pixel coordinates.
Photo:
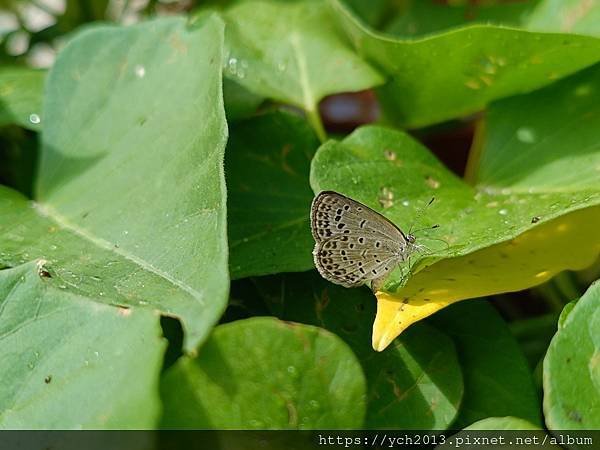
(355, 244)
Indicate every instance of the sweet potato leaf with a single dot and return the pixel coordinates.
(502, 235)
(498, 381)
(292, 52)
(21, 92)
(572, 368)
(130, 202)
(57, 348)
(415, 384)
(262, 373)
(458, 72)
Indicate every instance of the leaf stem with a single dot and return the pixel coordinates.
(472, 169)
(314, 118)
(567, 285)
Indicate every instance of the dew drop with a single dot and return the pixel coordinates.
(53, 247)
(405, 203)
(503, 212)
(34, 119)
(291, 369)
(526, 135)
(140, 71)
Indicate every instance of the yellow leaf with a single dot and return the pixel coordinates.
(570, 242)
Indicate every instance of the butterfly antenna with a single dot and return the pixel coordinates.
(433, 227)
(437, 239)
(419, 214)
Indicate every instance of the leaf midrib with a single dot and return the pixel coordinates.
(50, 213)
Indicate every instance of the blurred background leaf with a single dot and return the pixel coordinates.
(292, 52)
(411, 18)
(21, 92)
(458, 72)
(567, 16)
(262, 373)
(267, 165)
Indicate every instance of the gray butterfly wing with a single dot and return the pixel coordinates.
(351, 261)
(354, 244)
(332, 214)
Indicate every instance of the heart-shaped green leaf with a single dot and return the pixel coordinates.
(458, 72)
(497, 379)
(262, 373)
(130, 205)
(21, 91)
(510, 232)
(292, 52)
(267, 165)
(572, 368)
(69, 362)
(414, 384)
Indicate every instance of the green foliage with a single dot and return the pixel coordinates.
(420, 17)
(58, 348)
(293, 53)
(180, 153)
(486, 348)
(458, 72)
(103, 219)
(226, 388)
(567, 16)
(267, 165)
(414, 384)
(471, 218)
(571, 367)
(21, 96)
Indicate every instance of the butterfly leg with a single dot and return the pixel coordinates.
(405, 276)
